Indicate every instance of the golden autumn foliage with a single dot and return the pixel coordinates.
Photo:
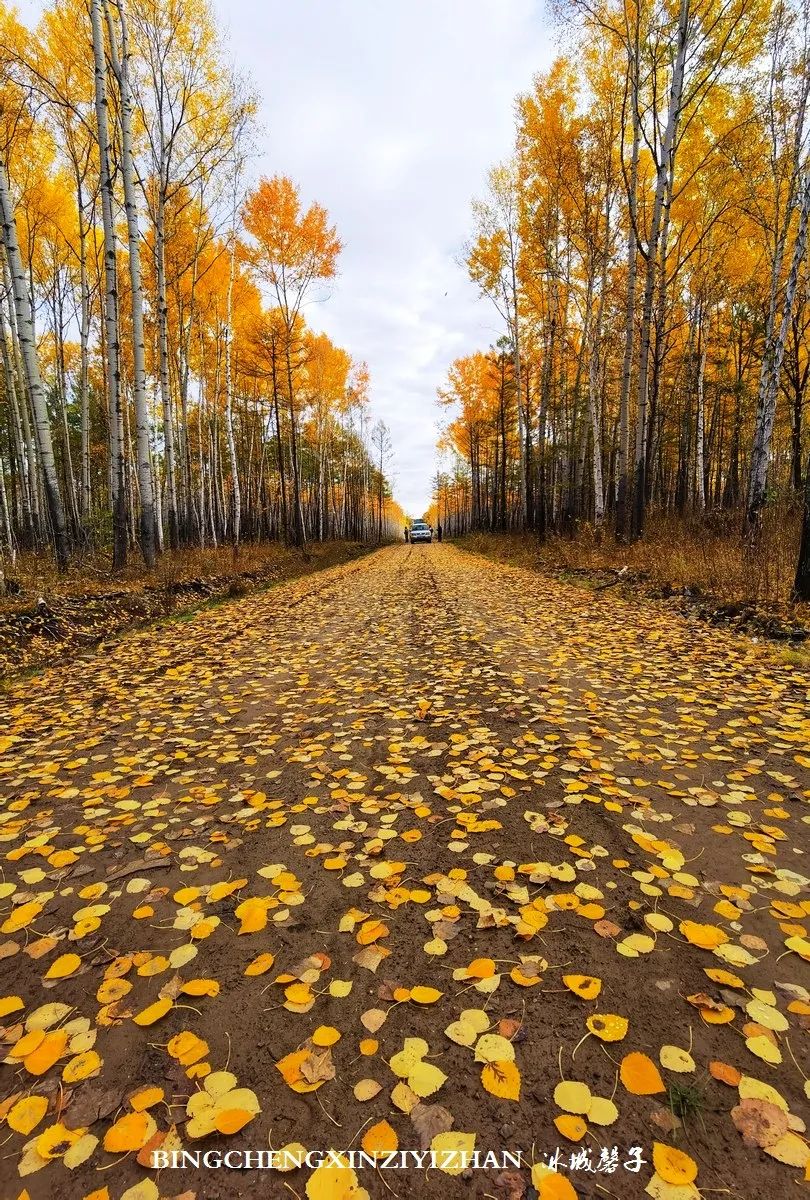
(239, 442)
(645, 248)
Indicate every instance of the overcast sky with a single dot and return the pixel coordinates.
(389, 113)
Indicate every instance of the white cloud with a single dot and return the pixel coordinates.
(389, 113)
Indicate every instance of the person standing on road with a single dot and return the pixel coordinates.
(438, 533)
(406, 533)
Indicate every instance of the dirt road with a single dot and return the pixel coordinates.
(261, 849)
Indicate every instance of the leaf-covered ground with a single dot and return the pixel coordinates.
(422, 851)
(48, 618)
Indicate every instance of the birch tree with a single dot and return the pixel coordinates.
(292, 251)
(33, 379)
(112, 346)
(15, 120)
(788, 163)
(492, 259)
(120, 61)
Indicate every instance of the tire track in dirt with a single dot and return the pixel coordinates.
(418, 681)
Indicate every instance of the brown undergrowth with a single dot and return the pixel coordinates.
(47, 617)
(704, 564)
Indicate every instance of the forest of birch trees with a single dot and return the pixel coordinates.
(160, 386)
(645, 251)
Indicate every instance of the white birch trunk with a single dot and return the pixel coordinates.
(772, 367)
(163, 358)
(665, 169)
(84, 369)
(16, 435)
(36, 391)
(517, 366)
(700, 429)
(7, 526)
(237, 495)
(623, 468)
(118, 496)
(120, 65)
(596, 426)
(22, 410)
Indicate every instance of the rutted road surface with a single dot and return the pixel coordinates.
(248, 856)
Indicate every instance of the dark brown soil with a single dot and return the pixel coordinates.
(777, 621)
(52, 626)
(354, 698)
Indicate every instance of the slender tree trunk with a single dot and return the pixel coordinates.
(36, 390)
(67, 460)
(700, 432)
(237, 495)
(593, 378)
(21, 410)
(502, 516)
(797, 404)
(321, 485)
(282, 474)
(518, 369)
(8, 529)
(163, 360)
(130, 471)
(118, 492)
(84, 366)
(596, 433)
(801, 586)
(298, 515)
(623, 469)
(17, 440)
(771, 368)
(664, 176)
(731, 490)
(121, 66)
